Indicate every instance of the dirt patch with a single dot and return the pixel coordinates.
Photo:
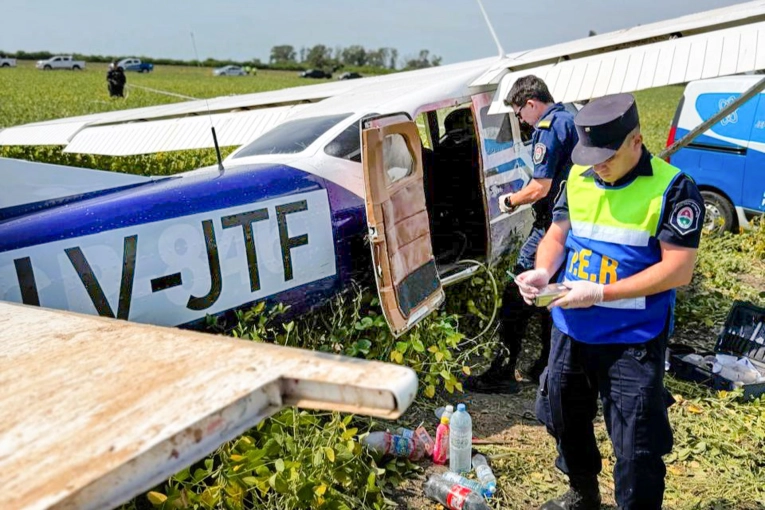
(522, 453)
(752, 279)
(521, 449)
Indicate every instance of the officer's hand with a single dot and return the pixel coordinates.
(503, 204)
(583, 294)
(531, 282)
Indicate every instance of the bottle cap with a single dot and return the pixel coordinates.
(490, 488)
(445, 420)
(460, 407)
(450, 408)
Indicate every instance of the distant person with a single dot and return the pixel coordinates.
(115, 80)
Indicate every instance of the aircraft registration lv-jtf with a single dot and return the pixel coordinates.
(321, 172)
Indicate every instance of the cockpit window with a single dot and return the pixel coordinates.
(346, 145)
(291, 137)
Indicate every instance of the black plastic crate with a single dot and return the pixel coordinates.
(744, 325)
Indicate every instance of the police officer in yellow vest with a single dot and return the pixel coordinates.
(627, 229)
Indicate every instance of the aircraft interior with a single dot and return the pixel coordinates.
(451, 175)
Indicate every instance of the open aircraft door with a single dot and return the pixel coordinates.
(399, 230)
(506, 167)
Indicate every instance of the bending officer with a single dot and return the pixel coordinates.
(625, 234)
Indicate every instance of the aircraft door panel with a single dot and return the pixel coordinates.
(397, 217)
(505, 168)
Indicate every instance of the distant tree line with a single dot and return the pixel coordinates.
(324, 57)
(282, 57)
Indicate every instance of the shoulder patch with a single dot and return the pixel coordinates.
(544, 124)
(685, 217)
(540, 150)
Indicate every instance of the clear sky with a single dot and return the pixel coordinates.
(245, 29)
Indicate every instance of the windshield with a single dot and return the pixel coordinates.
(291, 137)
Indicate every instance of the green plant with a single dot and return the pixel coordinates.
(725, 270)
(296, 459)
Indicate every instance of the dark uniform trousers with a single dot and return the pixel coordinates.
(629, 379)
(515, 313)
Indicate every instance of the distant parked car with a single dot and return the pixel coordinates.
(7, 62)
(349, 76)
(315, 73)
(61, 62)
(229, 71)
(135, 64)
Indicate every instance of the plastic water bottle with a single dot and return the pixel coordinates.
(447, 411)
(441, 448)
(453, 496)
(460, 440)
(454, 478)
(485, 475)
(386, 443)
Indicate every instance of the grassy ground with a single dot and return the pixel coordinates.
(718, 458)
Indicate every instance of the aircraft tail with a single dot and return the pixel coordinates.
(29, 186)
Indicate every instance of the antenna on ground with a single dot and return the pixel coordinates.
(209, 115)
(491, 29)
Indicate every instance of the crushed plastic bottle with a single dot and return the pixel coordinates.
(453, 496)
(386, 443)
(422, 439)
(460, 440)
(485, 475)
(441, 448)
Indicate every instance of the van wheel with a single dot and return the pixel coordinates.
(719, 216)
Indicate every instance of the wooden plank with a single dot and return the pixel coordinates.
(96, 411)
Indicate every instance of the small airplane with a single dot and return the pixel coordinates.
(324, 172)
(409, 165)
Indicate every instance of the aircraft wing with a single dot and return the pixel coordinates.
(722, 52)
(175, 134)
(186, 124)
(62, 131)
(692, 24)
(97, 410)
(630, 59)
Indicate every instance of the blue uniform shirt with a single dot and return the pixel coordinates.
(552, 142)
(669, 229)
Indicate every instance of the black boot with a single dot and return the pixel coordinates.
(497, 379)
(584, 494)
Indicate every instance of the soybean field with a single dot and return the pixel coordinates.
(300, 459)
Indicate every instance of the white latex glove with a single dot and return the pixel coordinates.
(502, 205)
(583, 294)
(531, 282)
